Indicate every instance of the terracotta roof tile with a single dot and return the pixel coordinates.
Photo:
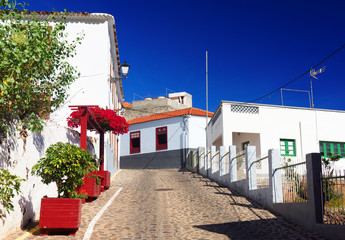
(126, 105)
(177, 113)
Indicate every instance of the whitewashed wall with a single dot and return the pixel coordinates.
(148, 135)
(95, 55)
(197, 133)
(18, 161)
(306, 126)
(183, 132)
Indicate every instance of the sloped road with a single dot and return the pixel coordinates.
(174, 204)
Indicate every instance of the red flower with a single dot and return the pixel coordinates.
(106, 118)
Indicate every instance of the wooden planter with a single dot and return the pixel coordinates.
(90, 188)
(105, 178)
(60, 215)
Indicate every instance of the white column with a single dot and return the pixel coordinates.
(213, 160)
(233, 163)
(275, 176)
(251, 167)
(222, 152)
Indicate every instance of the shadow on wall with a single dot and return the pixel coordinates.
(7, 146)
(74, 138)
(38, 141)
(27, 210)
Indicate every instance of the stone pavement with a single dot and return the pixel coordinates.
(175, 204)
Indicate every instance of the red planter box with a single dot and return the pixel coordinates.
(105, 177)
(90, 188)
(60, 214)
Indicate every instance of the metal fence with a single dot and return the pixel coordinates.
(333, 188)
(294, 182)
(240, 165)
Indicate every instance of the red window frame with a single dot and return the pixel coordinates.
(133, 136)
(161, 141)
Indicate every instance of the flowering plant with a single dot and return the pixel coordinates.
(106, 118)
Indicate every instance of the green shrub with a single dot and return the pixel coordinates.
(66, 165)
(9, 185)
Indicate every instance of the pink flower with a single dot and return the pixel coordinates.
(106, 118)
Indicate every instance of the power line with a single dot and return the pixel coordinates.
(307, 71)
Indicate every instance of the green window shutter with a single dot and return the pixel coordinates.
(335, 148)
(287, 147)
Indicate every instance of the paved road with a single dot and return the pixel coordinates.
(173, 204)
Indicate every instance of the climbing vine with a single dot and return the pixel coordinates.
(34, 71)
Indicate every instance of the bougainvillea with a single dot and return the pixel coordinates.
(106, 118)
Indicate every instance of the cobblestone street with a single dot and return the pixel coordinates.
(173, 204)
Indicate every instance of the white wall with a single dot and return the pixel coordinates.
(215, 128)
(18, 161)
(306, 126)
(93, 62)
(197, 134)
(148, 135)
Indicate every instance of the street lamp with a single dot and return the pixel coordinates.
(124, 68)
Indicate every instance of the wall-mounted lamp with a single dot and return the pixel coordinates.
(124, 72)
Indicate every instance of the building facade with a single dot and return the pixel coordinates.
(97, 60)
(163, 140)
(295, 131)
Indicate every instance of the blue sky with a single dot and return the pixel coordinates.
(254, 47)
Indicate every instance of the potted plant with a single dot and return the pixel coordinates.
(91, 187)
(104, 176)
(66, 165)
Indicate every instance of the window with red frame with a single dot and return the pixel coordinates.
(135, 142)
(161, 138)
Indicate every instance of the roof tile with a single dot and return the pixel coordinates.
(126, 105)
(177, 113)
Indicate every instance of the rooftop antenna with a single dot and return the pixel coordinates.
(136, 95)
(313, 73)
(166, 91)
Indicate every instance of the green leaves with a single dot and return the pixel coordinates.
(9, 186)
(66, 165)
(34, 72)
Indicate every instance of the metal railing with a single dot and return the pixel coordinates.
(294, 182)
(333, 188)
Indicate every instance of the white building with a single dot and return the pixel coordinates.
(97, 60)
(163, 140)
(295, 131)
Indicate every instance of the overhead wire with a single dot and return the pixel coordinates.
(301, 75)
